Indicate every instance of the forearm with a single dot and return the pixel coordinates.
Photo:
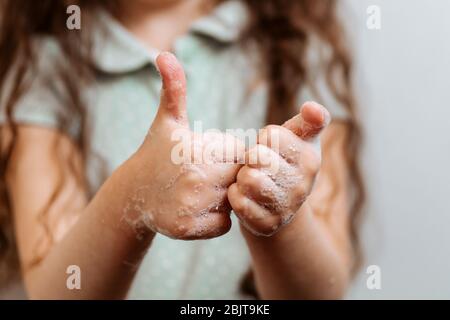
(298, 262)
(105, 248)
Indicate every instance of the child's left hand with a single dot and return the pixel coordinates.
(280, 171)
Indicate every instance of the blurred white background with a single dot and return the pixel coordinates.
(404, 88)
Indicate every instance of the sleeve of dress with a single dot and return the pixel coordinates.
(44, 102)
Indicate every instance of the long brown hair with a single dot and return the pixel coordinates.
(283, 29)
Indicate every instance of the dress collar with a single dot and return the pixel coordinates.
(116, 50)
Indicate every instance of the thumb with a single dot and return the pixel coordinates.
(311, 120)
(173, 92)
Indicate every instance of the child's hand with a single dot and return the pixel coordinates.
(280, 171)
(174, 196)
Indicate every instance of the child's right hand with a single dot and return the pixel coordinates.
(180, 200)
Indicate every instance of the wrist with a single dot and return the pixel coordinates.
(114, 206)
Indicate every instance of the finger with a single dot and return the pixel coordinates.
(280, 141)
(205, 226)
(285, 177)
(311, 120)
(173, 92)
(203, 215)
(273, 165)
(223, 157)
(255, 218)
(222, 148)
(206, 196)
(213, 219)
(208, 226)
(258, 186)
(291, 150)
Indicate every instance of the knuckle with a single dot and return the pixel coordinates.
(260, 156)
(192, 175)
(249, 178)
